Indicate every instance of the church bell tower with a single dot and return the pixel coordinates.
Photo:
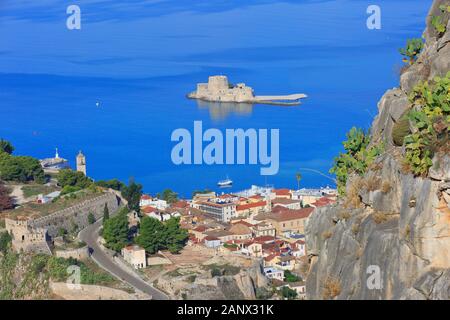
(81, 162)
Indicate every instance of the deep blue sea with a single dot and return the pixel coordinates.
(140, 58)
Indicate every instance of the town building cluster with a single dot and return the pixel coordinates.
(260, 222)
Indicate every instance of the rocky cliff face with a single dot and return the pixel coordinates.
(241, 285)
(391, 223)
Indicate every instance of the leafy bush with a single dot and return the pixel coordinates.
(69, 189)
(438, 21)
(155, 235)
(290, 277)
(91, 218)
(57, 268)
(5, 241)
(288, 293)
(20, 168)
(114, 184)
(6, 146)
(430, 118)
(115, 231)
(357, 158)
(438, 24)
(412, 49)
(68, 177)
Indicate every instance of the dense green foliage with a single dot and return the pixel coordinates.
(114, 184)
(438, 21)
(68, 177)
(105, 212)
(6, 146)
(115, 231)
(20, 168)
(430, 118)
(288, 293)
(357, 158)
(168, 195)
(155, 235)
(91, 218)
(69, 189)
(5, 241)
(57, 268)
(412, 49)
(132, 193)
(290, 277)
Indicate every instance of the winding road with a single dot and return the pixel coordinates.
(90, 235)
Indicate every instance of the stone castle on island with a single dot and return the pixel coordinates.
(218, 89)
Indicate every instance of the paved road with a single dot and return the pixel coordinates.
(90, 236)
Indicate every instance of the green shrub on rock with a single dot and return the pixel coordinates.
(357, 158)
(430, 118)
(412, 50)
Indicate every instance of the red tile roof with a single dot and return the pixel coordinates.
(200, 229)
(289, 214)
(146, 197)
(264, 239)
(245, 223)
(180, 204)
(250, 205)
(324, 201)
(282, 192)
(211, 238)
(148, 209)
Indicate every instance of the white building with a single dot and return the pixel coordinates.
(48, 197)
(147, 200)
(274, 273)
(212, 242)
(221, 211)
(135, 256)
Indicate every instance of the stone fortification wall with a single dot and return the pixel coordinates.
(77, 215)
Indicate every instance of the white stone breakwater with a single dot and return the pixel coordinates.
(218, 89)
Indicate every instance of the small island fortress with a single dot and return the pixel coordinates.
(218, 89)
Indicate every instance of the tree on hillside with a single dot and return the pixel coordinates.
(68, 177)
(176, 236)
(152, 235)
(20, 168)
(105, 212)
(6, 146)
(298, 177)
(6, 202)
(169, 196)
(91, 218)
(114, 184)
(132, 193)
(194, 193)
(5, 240)
(115, 231)
(288, 293)
(155, 235)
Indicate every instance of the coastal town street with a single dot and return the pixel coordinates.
(90, 236)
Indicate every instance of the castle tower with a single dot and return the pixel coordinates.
(81, 162)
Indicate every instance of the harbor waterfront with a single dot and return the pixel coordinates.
(120, 103)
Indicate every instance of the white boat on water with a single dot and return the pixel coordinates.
(225, 183)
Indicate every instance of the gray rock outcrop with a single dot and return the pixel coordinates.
(399, 227)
